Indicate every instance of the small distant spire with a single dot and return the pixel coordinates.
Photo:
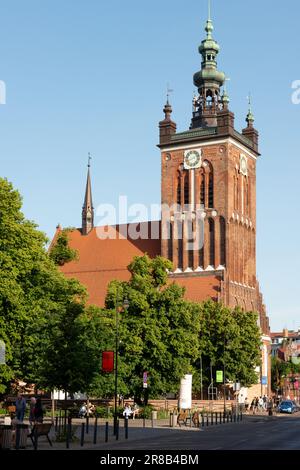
(250, 116)
(168, 108)
(225, 97)
(88, 209)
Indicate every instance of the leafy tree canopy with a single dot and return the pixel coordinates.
(61, 253)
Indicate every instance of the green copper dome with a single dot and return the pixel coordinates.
(209, 75)
(209, 49)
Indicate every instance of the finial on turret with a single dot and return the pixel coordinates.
(225, 96)
(250, 116)
(168, 108)
(89, 160)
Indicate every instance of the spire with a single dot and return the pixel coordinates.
(208, 80)
(88, 209)
(250, 116)
(167, 127)
(209, 24)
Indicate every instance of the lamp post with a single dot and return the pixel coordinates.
(224, 371)
(125, 307)
(261, 369)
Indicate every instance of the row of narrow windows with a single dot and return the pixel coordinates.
(204, 181)
(209, 245)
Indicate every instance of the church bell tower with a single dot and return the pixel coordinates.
(208, 191)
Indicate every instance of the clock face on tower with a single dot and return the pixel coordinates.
(192, 159)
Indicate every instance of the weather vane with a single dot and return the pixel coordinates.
(89, 159)
(249, 98)
(169, 91)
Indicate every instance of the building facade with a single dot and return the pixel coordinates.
(208, 217)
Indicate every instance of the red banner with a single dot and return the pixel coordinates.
(108, 361)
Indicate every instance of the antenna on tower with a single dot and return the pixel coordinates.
(209, 10)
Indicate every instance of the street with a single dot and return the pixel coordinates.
(254, 433)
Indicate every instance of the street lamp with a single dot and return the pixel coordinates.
(125, 307)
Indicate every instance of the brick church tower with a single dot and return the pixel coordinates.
(208, 191)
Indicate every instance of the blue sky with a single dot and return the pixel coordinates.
(90, 76)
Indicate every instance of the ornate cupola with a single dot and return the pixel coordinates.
(208, 81)
(88, 209)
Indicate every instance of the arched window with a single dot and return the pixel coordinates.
(235, 186)
(209, 98)
(208, 195)
(211, 242)
(202, 188)
(211, 191)
(222, 241)
(179, 188)
(170, 243)
(186, 188)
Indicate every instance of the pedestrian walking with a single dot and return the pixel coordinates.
(20, 407)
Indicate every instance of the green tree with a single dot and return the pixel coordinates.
(158, 333)
(71, 354)
(34, 299)
(61, 253)
(231, 338)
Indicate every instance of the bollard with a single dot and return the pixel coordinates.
(95, 429)
(56, 423)
(202, 419)
(144, 422)
(117, 430)
(207, 422)
(211, 418)
(126, 427)
(241, 416)
(18, 435)
(220, 417)
(87, 423)
(216, 418)
(106, 431)
(82, 434)
(224, 417)
(69, 432)
(35, 439)
(227, 414)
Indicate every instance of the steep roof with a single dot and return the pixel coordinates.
(103, 260)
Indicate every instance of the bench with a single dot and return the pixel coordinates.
(40, 429)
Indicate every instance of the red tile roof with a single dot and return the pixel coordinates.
(103, 260)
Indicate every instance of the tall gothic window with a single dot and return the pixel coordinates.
(211, 191)
(211, 242)
(222, 241)
(202, 188)
(179, 188)
(235, 190)
(186, 188)
(208, 185)
(170, 243)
